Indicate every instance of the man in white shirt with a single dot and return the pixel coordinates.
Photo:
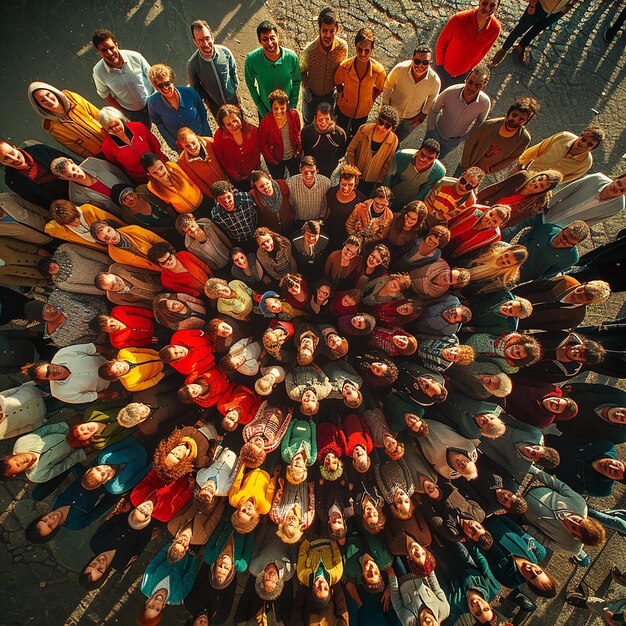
(121, 77)
(459, 109)
(411, 88)
(307, 192)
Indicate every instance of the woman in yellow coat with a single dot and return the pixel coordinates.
(252, 496)
(69, 118)
(320, 566)
(71, 223)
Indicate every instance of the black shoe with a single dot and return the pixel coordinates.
(577, 600)
(618, 576)
(609, 35)
(524, 602)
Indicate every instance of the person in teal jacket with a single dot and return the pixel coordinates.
(299, 449)
(514, 558)
(219, 540)
(474, 587)
(497, 312)
(551, 249)
(414, 172)
(164, 583)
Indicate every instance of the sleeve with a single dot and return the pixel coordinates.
(512, 158)
(241, 563)
(101, 87)
(55, 470)
(61, 428)
(157, 120)
(233, 492)
(232, 66)
(155, 146)
(313, 442)
(93, 110)
(436, 174)
(286, 442)
(434, 110)
(304, 67)
(393, 168)
(404, 615)
(303, 568)
(470, 145)
(481, 118)
(491, 41)
(296, 79)
(428, 103)
(194, 80)
(269, 496)
(352, 148)
(530, 154)
(352, 221)
(441, 596)
(443, 41)
(390, 84)
(202, 113)
(250, 78)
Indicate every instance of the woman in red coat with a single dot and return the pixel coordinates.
(126, 142)
(239, 407)
(236, 145)
(206, 389)
(181, 272)
(279, 132)
(128, 326)
(167, 498)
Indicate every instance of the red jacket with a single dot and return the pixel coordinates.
(128, 157)
(168, 498)
(200, 357)
(330, 438)
(357, 433)
(242, 397)
(461, 46)
(219, 386)
(140, 327)
(190, 282)
(238, 161)
(272, 140)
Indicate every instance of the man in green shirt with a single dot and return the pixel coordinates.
(271, 67)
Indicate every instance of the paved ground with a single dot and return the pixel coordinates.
(575, 76)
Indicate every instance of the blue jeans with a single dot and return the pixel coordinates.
(529, 26)
(447, 145)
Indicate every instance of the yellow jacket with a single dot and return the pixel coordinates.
(184, 195)
(79, 131)
(355, 97)
(256, 485)
(147, 373)
(311, 553)
(141, 239)
(91, 214)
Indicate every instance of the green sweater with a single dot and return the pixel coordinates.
(263, 76)
(407, 185)
(300, 434)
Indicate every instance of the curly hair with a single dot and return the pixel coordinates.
(420, 209)
(364, 367)
(466, 355)
(442, 233)
(211, 286)
(349, 171)
(243, 528)
(592, 533)
(163, 469)
(159, 72)
(375, 529)
(278, 95)
(532, 347)
(389, 114)
(229, 109)
(331, 476)
(385, 255)
(290, 280)
(404, 280)
(251, 456)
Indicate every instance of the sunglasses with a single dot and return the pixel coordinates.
(463, 181)
(164, 84)
(421, 62)
(165, 260)
(384, 124)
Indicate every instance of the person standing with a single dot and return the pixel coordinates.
(319, 62)
(211, 70)
(307, 191)
(563, 152)
(538, 16)
(411, 88)
(459, 109)
(465, 41)
(497, 143)
(121, 77)
(271, 67)
(359, 81)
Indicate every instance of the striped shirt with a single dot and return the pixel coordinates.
(308, 204)
(443, 202)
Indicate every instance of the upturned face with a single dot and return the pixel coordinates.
(109, 50)
(205, 42)
(11, 156)
(191, 145)
(46, 99)
(269, 42)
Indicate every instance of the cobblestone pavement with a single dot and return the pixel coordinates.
(576, 77)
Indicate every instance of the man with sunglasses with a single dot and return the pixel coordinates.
(411, 88)
(498, 142)
(563, 152)
(459, 109)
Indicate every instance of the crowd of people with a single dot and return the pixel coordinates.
(300, 354)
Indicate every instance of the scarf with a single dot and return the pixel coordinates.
(272, 203)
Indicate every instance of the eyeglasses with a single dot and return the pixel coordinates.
(384, 123)
(165, 260)
(163, 85)
(463, 181)
(421, 62)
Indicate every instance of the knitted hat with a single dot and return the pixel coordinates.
(527, 308)
(119, 192)
(33, 310)
(262, 303)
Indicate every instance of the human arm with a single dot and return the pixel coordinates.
(437, 105)
(444, 39)
(472, 141)
(379, 85)
(390, 84)
(202, 114)
(404, 615)
(296, 79)
(250, 78)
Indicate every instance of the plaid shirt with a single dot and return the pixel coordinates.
(240, 223)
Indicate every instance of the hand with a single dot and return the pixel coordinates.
(385, 599)
(607, 616)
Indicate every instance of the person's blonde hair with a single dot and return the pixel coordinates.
(485, 266)
(243, 528)
(466, 355)
(597, 290)
(161, 72)
(296, 475)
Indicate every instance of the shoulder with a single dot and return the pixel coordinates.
(377, 66)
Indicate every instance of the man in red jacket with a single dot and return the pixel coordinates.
(465, 41)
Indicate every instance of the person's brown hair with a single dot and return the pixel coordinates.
(165, 471)
(592, 533)
(63, 212)
(278, 95)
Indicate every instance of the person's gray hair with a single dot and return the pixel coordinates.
(109, 114)
(129, 415)
(265, 595)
